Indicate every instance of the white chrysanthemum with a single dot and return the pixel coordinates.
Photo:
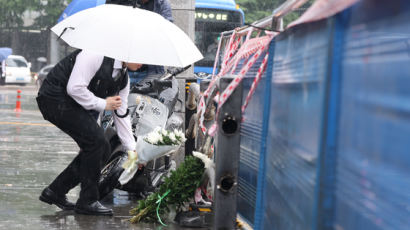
(208, 163)
(164, 132)
(181, 133)
(183, 139)
(178, 133)
(172, 137)
(153, 137)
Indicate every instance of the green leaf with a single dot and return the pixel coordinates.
(182, 183)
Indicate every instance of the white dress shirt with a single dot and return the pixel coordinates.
(86, 66)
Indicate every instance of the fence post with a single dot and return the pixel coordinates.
(227, 158)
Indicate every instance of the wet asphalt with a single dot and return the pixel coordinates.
(32, 153)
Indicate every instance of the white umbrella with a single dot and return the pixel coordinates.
(128, 34)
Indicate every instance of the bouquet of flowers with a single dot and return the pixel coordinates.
(176, 190)
(156, 144)
(164, 137)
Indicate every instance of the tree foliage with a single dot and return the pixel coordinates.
(12, 12)
(49, 11)
(258, 9)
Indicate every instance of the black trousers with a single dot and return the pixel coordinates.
(81, 125)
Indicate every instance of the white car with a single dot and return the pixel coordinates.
(17, 70)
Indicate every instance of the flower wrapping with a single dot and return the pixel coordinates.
(156, 144)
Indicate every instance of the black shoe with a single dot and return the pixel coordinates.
(93, 209)
(50, 197)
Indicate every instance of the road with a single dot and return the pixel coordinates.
(32, 153)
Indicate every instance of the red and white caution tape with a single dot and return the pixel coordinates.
(232, 47)
(255, 83)
(252, 49)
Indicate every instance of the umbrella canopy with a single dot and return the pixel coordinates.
(78, 5)
(128, 34)
(4, 53)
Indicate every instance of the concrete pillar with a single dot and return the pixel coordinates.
(183, 12)
(54, 55)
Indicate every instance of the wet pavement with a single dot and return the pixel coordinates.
(32, 153)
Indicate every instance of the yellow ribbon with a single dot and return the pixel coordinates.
(130, 164)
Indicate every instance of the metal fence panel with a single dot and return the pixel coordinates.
(294, 126)
(251, 130)
(372, 184)
(337, 123)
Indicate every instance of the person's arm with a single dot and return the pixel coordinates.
(85, 68)
(165, 10)
(123, 125)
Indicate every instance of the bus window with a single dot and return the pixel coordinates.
(209, 23)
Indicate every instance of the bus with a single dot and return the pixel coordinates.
(211, 18)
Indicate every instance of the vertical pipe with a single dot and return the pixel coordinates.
(54, 49)
(183, 13)
(324, 211)
(227, 158)
(261, 200)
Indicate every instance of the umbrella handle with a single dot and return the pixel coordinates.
(65, 29)
(122, 116)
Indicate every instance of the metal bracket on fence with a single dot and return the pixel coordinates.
(227, 149)
(277, 24)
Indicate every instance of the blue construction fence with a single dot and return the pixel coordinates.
(326, 139)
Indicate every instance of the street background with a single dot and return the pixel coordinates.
(32, 153)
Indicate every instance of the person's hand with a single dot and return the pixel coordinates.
(113, 103)
(133, 66)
